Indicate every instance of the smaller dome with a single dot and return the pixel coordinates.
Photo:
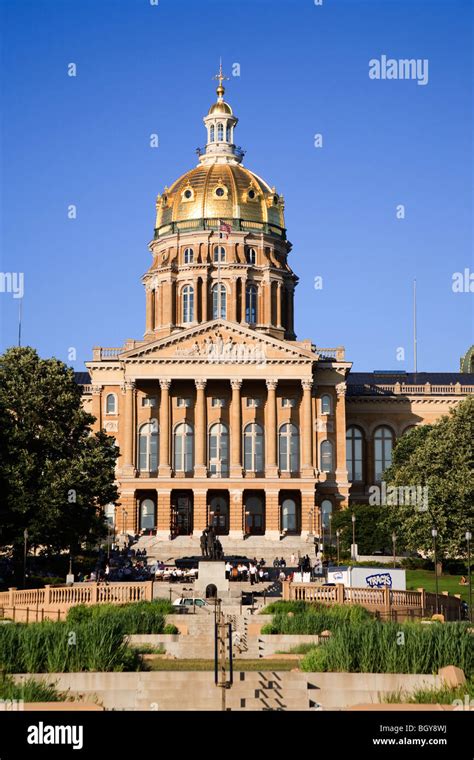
(220, 107)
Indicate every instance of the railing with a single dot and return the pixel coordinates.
(330, 353)
(384, 389)
(238, 225)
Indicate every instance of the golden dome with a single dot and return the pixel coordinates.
(220, 107)
(220, 191)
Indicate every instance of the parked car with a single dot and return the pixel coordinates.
(188, 602)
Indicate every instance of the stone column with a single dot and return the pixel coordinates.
(243, 283)
(164, 469)
(236, 515)
(267, 302)
(200, 512)
(341, 465)
(306, 426)
(278, 305)
(308, 513)
(272, 515)
(157, 307)
(232, 308)
(149, 310)
(204, 299)
(271, 467)
(200, 469)
(128, 466)
(236, 430)
(97, 406)
(163, 516)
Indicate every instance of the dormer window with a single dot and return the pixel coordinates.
(220, 192)
(251, 256)
(188, 255)
(211, 133)
(251, 194)
(220, 132)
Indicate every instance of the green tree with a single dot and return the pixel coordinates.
(371, 532)
(55, 474)
(440, 458)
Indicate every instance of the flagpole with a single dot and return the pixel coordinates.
(219, 312)
(414, 328)
(19, 321)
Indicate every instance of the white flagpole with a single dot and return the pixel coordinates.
(219, 273)
(414, 327)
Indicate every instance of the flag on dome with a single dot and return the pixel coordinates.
(224, 229)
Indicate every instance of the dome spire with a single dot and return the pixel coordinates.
(220, 88)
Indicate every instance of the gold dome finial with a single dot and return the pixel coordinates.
(220, 89)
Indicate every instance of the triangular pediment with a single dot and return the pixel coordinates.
(219, 342)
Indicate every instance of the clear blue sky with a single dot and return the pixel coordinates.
(143, 69)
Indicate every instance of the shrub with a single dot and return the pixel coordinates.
(170, 628)
(309, 618)
(29, 691)
(137, 617)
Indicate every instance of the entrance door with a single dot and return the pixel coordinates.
(254, 515)
(219, 513)
(182, 517)
(147, 514)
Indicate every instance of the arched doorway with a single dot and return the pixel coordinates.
(219, 512)
(211, 591)
(255, 513)
(181, 513)
(147, 514)
(290, 512)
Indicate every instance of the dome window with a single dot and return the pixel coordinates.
(251, 194)
(220, 192)
(219, 253)
(188, 255)
(211, 133)
(220, 132)
(251, 255)
(187, 194)
(275, 200)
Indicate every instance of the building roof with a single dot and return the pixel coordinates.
(369, 382)
(82, 378)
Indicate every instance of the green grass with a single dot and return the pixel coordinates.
(305, 618)
(148, 648)
(239, 665)
(29, 691)
(374, 647)
(426, 579)
(137, 617)
(300, 649)
(445, 695)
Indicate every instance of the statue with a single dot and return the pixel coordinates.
(210, 543)
(203, 543)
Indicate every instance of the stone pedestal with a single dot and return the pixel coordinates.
(212, 573)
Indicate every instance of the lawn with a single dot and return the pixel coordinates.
(239, 665)
(426, 579)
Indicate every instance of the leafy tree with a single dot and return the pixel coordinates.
(440, 458)
(55, 474)
(370, 531)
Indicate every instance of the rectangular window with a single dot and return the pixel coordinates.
(253, 402)
(143, 453)
(288, 402)
(148, 400)
(183, 402)
(218, 402)
(248, 464)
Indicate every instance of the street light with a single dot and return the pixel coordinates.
(394, 541)
(330, 533)
(25, 550)
(338, 533)
(434, 533)
(353, 536)
(468, 539)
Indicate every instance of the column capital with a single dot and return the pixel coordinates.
(165, 383)
(96, 390)
(236, 383)
(128, 385)
(341, 389)
(271, 384)
(307, 384)
(200, 384)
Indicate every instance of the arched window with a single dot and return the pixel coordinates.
(354, 453)
(289, 449)
(251, 255)
(111, 404)
(219, 450)
(253, 447)
(254, 514)
(383, 444)
(220, 132)
(326, 510)
(326, 456)
(219, 301)
(148, 447)
(183, 447)
(227, 134)
(147, 514)
(211, 132)
(251, 304)
(219, 253)
(188, 255)
(188, 303)
(326, 404)
(289, 515)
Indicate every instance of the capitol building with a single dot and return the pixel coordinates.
(223, 415)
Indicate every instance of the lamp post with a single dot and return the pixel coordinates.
(338, 533)
(394, 542)
(468, 539)
(353, 536)
(25, 551)
(330, 534)
(434, 533)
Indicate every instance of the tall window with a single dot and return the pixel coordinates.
(326, 510)
(147, 514)
(289, 450)
(188, 255)
(219, 301)
(220, 132)
(211, 139)
(253, 447)
(227, 134)
(326, 405)
(111, 404)
(219, 253)
(183, 447)
(383, 444)
(326, 456)
(354, 453)
(251, 255)
(188, 303)
(289, 516)
(251, 304)
(219, 450)
(148, 447)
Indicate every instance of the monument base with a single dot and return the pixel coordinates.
(211, 577)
